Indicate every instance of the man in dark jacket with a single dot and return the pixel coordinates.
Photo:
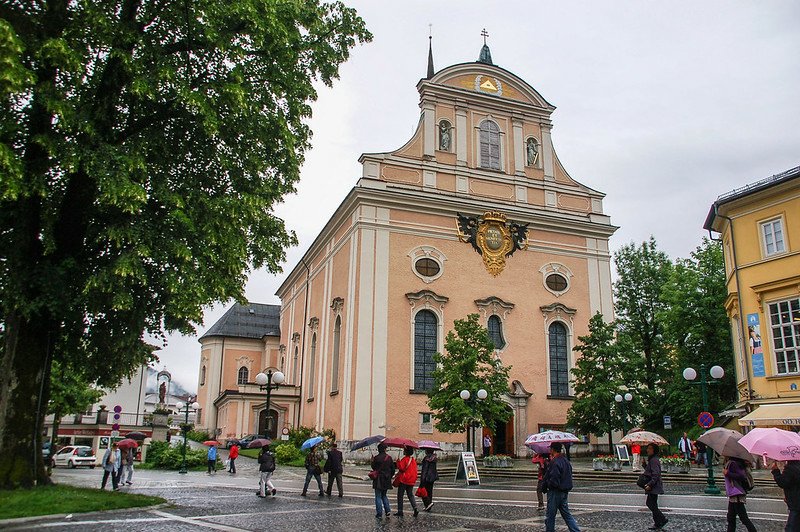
(313, 471)
(789, 480)
(266, 466)
(383, 468)
(333, 465)
(558, 483)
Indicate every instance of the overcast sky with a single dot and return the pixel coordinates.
(661, 105)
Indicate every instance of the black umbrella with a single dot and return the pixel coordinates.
(366, 442)
(136, 436)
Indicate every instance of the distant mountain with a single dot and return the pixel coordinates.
(175, 387)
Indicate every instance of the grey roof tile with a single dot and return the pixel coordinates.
(254, 320)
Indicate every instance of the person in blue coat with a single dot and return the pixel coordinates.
(212, 459)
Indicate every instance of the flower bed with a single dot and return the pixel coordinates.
(606, 461)
(498, 460)
(675, 464)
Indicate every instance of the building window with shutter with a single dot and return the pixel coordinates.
(489, 133)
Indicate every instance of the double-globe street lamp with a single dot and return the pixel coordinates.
(466, 396)
(716, 372)
(184, 407)
(622, 400)
(269, 381)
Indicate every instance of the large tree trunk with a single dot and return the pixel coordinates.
(24, 392)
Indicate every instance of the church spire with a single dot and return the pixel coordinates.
(486, 55)
(430, 53)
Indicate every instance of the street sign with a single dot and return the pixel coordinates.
(115, 434)
(115, 427)
(667, 422)
(705, 420)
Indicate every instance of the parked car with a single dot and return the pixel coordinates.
(241, 442)
(45, 451)
(74, 456)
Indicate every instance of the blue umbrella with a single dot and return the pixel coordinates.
(311, 442)
(366, 442)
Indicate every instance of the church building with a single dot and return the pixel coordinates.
(474, 214)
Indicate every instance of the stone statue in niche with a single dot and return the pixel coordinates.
(532, 152)
(444, 135)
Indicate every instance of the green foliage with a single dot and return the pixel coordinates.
(470, 364)
(70, 390)
(300, 434)
(198, 435)
(286, 453)
(598, 376)
(62, 499)
(143, 148)
(698, 329)
(162, 455)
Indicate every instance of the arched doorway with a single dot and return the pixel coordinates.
(502, 435)
(270, 430)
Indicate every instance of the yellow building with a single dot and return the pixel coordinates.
(760, 229)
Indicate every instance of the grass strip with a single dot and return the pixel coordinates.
(64, 499)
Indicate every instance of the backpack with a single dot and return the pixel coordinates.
(267, 462)
(748, 483)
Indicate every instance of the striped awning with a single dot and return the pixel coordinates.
(773, 415)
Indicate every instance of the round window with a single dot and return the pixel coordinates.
(427, 267)
(556, 282)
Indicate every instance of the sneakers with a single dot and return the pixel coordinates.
(428, 508)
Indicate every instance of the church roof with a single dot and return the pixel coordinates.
(254, 320)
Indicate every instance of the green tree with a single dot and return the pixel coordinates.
(470, 364)
(698, 331)
(143, 147)
(596, 378)
(642, 273)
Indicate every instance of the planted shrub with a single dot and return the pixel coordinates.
(286, 453)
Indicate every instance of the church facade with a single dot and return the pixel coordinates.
(474, 214)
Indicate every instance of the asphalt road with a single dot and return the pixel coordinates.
(228, 502)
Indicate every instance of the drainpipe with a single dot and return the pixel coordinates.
(303, 341)
(742, 322)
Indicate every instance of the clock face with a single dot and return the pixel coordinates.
(494, 238)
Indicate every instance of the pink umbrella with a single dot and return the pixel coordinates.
(774, 443)
(540, 447)
(127, 442)
(429, 444)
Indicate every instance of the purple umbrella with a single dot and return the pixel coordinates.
(429, 444)
(259, 442)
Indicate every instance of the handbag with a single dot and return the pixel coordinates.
(643, 480)
(373, 474)
(422, 492)
(396, 481)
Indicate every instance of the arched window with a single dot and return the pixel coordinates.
(244, 374)
(559, 362)
(495, 326)
(490, 145)
(202, 376)
(426, 343)
(312, 365)
(337, 337)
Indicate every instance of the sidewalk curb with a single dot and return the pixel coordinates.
(23, 520)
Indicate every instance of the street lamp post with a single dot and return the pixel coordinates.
(184, 407)
(716, 372)
(269, 381)
(466, 396)
(622, 399)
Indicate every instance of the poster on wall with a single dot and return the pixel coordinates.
(756, 350)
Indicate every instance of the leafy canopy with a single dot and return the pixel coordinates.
(470, 364)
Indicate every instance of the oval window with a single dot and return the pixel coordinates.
(427, 267)
(556, 282)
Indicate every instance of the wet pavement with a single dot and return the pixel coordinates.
(228, 502)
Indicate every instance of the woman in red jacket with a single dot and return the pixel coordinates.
(407, 477)
(233, 454)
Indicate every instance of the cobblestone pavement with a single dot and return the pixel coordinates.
(228, 502)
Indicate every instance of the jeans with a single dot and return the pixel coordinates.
(127, 472)
(312, 472)
(265, 482)
(557, 501)
(738, 508)
(793, 523)
(426, 501)
(338, 478)
(114, 479)
(382, 503)
(405, 489)
(232, 465)
(652, 504)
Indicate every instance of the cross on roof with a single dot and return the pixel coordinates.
(484, 34)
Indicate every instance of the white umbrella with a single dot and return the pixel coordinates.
(552, 436)
(643, 437)
(726, 443)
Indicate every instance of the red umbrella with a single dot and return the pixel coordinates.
(400, 442)
(126, 443)
(211, 443)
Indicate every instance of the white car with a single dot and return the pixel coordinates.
(74, 456)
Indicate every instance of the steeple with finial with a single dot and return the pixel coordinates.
(430, 51)
(486, 55)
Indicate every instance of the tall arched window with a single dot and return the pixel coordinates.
(202, 376)
(490, 145)
(337, 337)
(559, 361)
(312, 365)
(495, 326)
(244, 374)
(426, 343)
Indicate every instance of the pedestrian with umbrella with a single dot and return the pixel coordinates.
(650, 480)
(789, 481)
(211, 456)
(313, 470)
(405, 480)
(429, 473)
(541, 457)
(334, 467)
(737, 481)
(266, 467)
(381, 475)
(558, 483)
(127, 447)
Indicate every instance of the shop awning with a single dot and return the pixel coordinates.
(773, 415)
